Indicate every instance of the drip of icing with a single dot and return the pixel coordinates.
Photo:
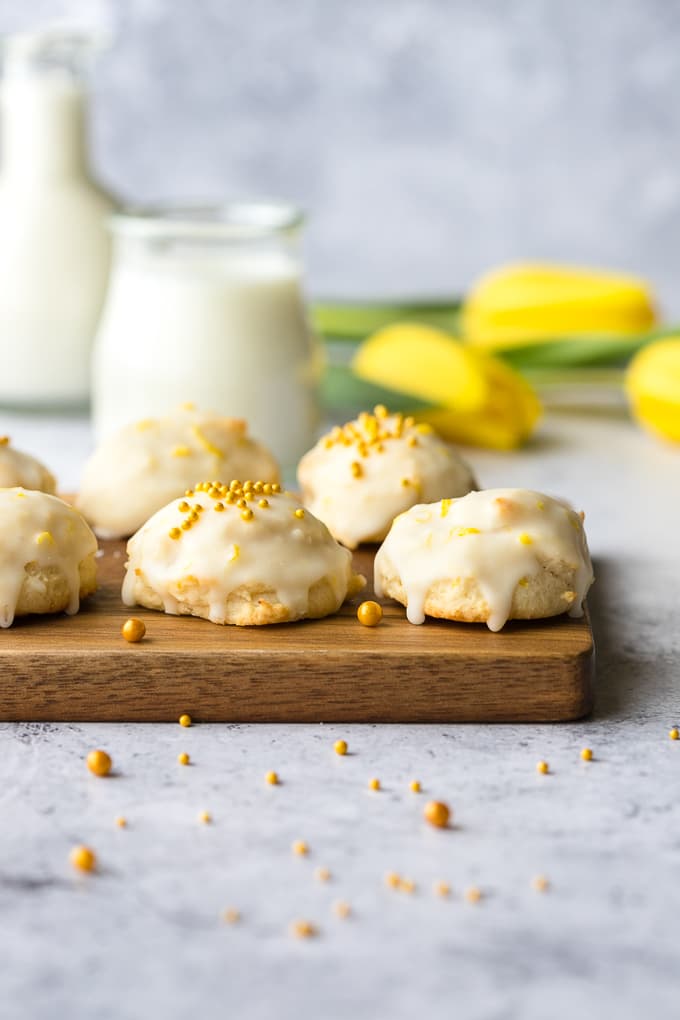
(498, 537)
(358, 487)
(276, 550)
(41, 530)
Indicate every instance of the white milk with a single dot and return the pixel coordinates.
(54, 247)
(224, 329)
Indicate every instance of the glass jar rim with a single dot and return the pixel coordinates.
(51, 43)
(229, 221)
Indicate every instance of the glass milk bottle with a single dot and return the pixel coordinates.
(54, 246)
(205, 306)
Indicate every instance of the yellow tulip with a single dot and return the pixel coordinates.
(475, 398)
(653, 387)
(527, 303)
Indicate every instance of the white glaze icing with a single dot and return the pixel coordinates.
(497, 537)
(17, 468)
(39, 529)
(399, 464)
(145, 465)
(221, 553)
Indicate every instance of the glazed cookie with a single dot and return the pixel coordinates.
(20, 469)
(245, 553)
(145, 465)
(492, 556)
(359, 477)
(47, 555)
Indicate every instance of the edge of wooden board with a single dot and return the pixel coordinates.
(345, 685)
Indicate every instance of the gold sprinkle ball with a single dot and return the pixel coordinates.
(540, 883)
(272, 778)
(437, 813)
(121, 822)
(473, 894)
(82, 858)
(299, 513)
(322, 874)
(342, 909)
(542, 767)
(133, 630)
(392, 879)
(99, 763)
(300, 848)
(183, 758)
(303, 929)
(205, 817)
(674, 734)
(586, 754)
(231, 915)
(340, 747)
(4, 440)
(414, 786)
(442, 888)
(374, 784)
(369, 614)
(406, 885)
(185, 720)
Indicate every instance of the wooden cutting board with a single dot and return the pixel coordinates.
(334, 670)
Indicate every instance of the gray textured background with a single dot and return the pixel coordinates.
(427, 139)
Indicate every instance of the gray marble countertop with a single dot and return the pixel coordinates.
(143, 936)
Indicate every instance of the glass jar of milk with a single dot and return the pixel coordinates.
(206, 306)
(54, 245)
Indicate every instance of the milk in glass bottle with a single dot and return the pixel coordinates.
(54, 245)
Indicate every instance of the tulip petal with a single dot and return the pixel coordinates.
(653, 387)
(425, 363)
(521, 304)
(430, 365)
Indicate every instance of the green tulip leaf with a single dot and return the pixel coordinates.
(356, 320)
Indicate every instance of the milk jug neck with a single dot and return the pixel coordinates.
(43, 107)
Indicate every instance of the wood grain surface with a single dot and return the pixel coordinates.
(79, 668)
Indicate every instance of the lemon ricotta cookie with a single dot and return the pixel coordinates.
(361, 475)
(244, 553)
(143, 466)
(20, 469)
(47, 555)
(490, 557)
